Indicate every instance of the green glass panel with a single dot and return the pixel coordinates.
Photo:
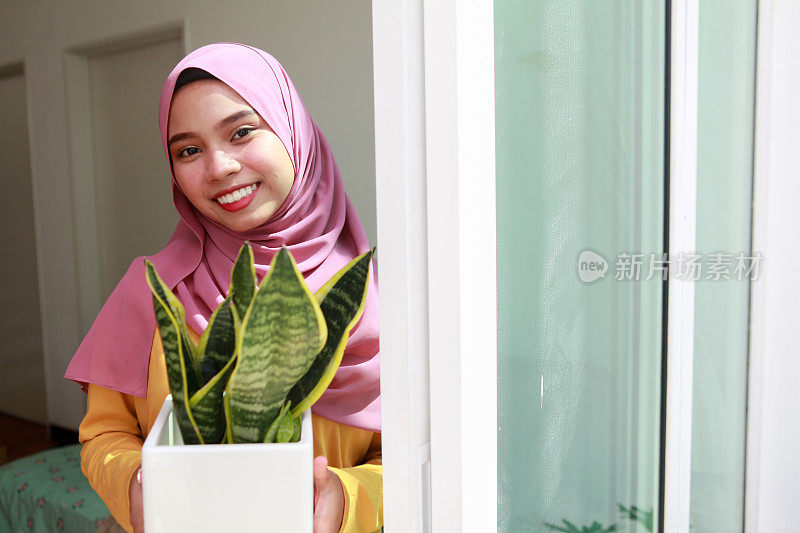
(580, 166)
(724, 184)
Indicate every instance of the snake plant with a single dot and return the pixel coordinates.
(268, 353)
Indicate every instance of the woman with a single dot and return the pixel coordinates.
(248, 164)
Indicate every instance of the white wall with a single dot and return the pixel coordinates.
(325, 46)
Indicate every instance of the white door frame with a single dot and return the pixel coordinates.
(462, 293)
(435, 172)
(403, 256)
(772, 487)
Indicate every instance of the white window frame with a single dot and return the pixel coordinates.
(772, 464)
(772, 486)
(435, 173)
(462, 293)
(402, 251)
(683, 70)
(434, 117)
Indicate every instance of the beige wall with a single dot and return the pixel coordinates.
(325, 46)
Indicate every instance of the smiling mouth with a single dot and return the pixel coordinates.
(237, 195)
(238, 199)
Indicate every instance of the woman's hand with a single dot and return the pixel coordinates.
(136, 502)
(328, 498)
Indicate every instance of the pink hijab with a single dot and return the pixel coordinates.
(317, 222)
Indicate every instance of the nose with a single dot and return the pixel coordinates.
(221, 164)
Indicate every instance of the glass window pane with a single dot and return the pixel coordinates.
(726, 93)
(580, 168)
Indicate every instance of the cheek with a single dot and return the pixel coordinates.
(288, 179)
(283, 168)
(287, 170)
(189, 185)
(269, 157)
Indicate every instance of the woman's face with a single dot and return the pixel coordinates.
(226, 158)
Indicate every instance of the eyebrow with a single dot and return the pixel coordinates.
(222, 123)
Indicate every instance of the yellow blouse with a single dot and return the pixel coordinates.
(116, 424)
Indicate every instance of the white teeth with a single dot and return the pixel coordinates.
(236, 195)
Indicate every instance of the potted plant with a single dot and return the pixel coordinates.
(232, 446)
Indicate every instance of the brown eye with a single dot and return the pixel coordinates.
(186, 152)
(242, 132)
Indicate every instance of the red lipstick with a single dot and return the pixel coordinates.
(241, 203)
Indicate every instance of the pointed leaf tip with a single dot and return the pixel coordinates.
(243, 280)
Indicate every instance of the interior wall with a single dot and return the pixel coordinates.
(22, 389)
(326, 47)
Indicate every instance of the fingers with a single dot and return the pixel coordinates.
(328, 498)
(136, 506)
(320, 469)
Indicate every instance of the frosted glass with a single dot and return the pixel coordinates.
(580, 166)
(724, 183)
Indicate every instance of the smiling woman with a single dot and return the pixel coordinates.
(248, 165)
(226, 159)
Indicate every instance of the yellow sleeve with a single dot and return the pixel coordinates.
(363, 492)
(112, 448)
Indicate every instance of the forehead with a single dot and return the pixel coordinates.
(204, 100)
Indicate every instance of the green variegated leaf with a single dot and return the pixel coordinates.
(298, 427)
(181, 370)
(207, 409)
(218, 341)
(282, 332)
(342, 300)
(227, 409)
(243, 280)
(175, 309)
(206, 405)
(272, 432)
(285, 429)
(190, 348)
(176, 375)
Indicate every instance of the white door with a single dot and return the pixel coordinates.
(119, 165)
(22, 391)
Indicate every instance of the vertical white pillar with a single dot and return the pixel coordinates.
(403, 258)
(773, 435)
(684, 43)
(459, 102)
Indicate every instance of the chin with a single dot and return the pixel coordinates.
(243, 227)
(253, 221)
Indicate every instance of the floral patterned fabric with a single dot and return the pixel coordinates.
(47, 492)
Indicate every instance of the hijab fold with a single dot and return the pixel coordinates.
(317, 223)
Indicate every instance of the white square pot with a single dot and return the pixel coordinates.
(226, 487)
